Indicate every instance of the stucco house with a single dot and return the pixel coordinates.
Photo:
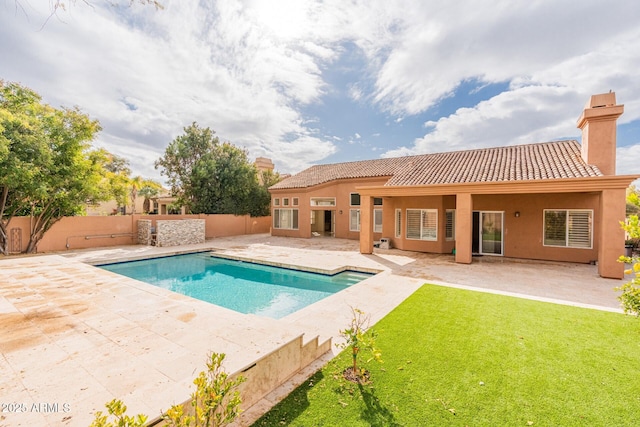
(558, 200)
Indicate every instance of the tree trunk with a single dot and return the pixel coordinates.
(4, 241)
(42, 224)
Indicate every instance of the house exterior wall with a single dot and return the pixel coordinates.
(340, 190)
(522, 235)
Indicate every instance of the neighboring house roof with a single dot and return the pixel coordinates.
(549, 160)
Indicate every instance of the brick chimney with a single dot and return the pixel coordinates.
(598, 125)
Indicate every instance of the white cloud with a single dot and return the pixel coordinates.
(512, 117)
(248, 68)
(225, 67)
(549, 86)
(627, 160)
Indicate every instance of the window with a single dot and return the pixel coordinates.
(323, 201)
(377, 220)
(285, 201)
(285, 219)
(276, 202)
(568, 228)
(422, 224)
(450, 224)
(398, 223)
(354, 220)
(354, 200)
(295, 201)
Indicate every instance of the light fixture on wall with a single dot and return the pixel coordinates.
(340, 211)
(517, 214)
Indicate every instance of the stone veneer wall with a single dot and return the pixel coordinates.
(180, 232)
(144, 232)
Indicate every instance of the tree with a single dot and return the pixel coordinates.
(135, 184)
(116, 176)
(180, 158)
(633, 201)
(62, 4)
(46, 169)
(223, 181)
(260, 198)
(149, 190)
(208, 176)
(57, 5)
(630, 297)
(357, 339)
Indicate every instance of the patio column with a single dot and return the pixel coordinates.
(611, 235)
(366, 224)
(464, 222)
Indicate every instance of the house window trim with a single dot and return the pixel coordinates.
(435, 228)
(398, 223)
(295, 201)
(278, 218)
(276, 201)
(351, 199)
(313, 201)
(567, 244)
(379, 230)
(357, 212)
(452, 236)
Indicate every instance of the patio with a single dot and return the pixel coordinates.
(76, 337)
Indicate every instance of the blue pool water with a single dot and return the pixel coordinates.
(241, 286)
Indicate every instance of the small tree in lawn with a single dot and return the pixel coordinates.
(357, 339)
(630, 297)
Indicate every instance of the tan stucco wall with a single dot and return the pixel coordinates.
(441, 203)
(523, 235)
(341, 191)
(83, 232)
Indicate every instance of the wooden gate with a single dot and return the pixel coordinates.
(15, 240)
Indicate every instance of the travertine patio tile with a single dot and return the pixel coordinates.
(97, 336)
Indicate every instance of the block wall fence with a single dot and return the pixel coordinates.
(84, 232)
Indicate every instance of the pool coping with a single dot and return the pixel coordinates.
(297, 267)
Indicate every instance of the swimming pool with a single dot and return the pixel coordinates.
(241, 286)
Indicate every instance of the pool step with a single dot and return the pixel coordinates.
(355, 276)
(277, 374)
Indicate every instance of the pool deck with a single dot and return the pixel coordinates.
(73, 337)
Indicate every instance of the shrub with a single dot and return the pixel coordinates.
(215, 403)
(630, 297)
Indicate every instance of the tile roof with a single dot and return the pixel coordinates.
(549, 160)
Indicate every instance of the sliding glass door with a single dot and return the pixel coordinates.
(487, 232)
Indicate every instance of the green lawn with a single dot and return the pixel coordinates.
(463, 358)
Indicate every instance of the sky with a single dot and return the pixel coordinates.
(307, 82)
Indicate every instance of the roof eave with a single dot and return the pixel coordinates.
(562, 185)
